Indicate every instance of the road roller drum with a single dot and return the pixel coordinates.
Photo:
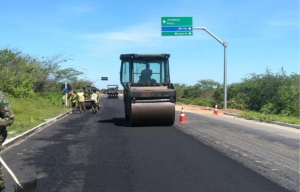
(152, 114)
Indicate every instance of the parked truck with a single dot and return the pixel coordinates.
(112, 91)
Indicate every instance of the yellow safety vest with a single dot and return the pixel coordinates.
(73, 98)
(94, 97)
(98, 94)
(80, 97)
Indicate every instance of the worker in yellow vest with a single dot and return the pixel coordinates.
(73, 100)
(99, 95)
(80, 97)
(94, 99)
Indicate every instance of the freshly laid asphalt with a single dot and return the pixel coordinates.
(87, 152)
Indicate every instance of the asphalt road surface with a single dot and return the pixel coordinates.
(87, 152)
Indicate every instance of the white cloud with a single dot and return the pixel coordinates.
(133, 38)
(121, 36)
(283, 23)
(290, 18)
(118, 41)
(76, 9)
(139, 33)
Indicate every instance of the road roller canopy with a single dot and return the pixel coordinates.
(145, 70)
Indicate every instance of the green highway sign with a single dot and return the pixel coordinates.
(176, 21)
(176, 26)
(176, 33)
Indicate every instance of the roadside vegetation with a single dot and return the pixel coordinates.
(268, 97)
(33, 86)
(32, 112)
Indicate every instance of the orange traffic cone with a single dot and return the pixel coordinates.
(216, 109)
(182, 117)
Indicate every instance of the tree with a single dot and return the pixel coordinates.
(23, 75)
(16, 73)
(207, 87)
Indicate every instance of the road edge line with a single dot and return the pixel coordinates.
(10, 141)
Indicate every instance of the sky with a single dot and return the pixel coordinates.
(92, 34)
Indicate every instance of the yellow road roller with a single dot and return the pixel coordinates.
(149, 96)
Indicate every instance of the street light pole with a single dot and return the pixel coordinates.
(95, 81)
(225, 44)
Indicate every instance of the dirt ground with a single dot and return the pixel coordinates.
(203, 109)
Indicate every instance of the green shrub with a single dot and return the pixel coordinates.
(269, 108)
(203, 102)
(236, 103)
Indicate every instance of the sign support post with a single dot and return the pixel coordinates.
(225, 44)
(66, 104)
(183, 26)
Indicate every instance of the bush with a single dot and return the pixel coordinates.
(269, 108)
(203, 102)
(184, 100)
(236, 103)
